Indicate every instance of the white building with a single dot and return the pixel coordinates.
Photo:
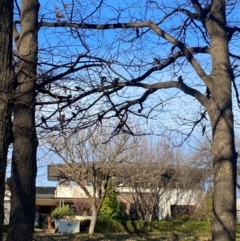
(7, 205)
(170, 199)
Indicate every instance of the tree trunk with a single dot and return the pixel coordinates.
(23, 173)
(224, 165)
(96, 206)
(6, 78)
(223, 156)
(93, 221)
(220, 111)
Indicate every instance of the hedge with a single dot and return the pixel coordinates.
(158, 227)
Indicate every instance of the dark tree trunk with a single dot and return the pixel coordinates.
(224, 166)
(23, 173)
(6, 79)
(220, 111)
(224, 163)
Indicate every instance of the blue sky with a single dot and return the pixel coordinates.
(58, 46)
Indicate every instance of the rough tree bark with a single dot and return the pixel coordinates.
(220, 111)
(23, 173)
(6, 78)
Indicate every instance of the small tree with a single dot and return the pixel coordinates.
(92, 159)
(111, 208)
(147, 177)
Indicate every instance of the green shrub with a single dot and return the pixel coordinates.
(184, 218)
(111, 208)
(157, 227)
(106, 226)
(61, 212)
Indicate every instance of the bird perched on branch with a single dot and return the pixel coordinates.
(100, 117)
(208, 93)
(180, 79)
(43, 119)
(69, 100)
(156, 60)
(78, 88)
(115, 82)
(137, 32)
(103, 80)
(74, 115)
(203, 130)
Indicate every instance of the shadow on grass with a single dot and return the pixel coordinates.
(133, 229)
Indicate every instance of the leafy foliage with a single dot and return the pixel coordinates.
(111, 208)
(61, 212)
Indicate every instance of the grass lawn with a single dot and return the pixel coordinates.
(116, 237)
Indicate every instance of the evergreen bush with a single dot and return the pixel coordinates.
(62, 212)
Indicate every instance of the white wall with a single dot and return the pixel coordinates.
(71, 192)
(171, 197)
(178, 197)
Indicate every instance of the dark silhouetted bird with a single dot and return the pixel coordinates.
(43, 119)
(137, 32)
(156, 60)
(180, 79)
